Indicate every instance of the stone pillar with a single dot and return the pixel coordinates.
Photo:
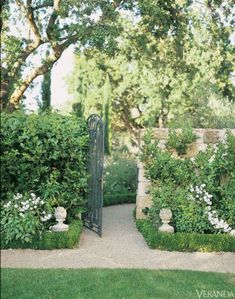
(143, 198)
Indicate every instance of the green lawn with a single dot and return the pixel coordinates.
(113, 284)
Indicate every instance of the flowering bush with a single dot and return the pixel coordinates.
(23, 216)
(199, 194)
(199, 191)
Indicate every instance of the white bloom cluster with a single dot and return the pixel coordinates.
(217, 223)
(7, 205)
(45, 217)
(200, 194)
(32, 204)
(17, 196)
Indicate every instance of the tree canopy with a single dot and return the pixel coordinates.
(33, 28)
(164, 60)
(171, 64)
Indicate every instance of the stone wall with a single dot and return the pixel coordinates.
(205, 137)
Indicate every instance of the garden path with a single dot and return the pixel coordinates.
(121, 246)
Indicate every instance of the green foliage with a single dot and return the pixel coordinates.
(200, 192)
(88, 26)
(44, 154)
(117, 199)
(185, 241)
(180, 140)
(120, 179)
(23, 216)
(172, 64)
(50, 240)
(46, 92)
(106, 116)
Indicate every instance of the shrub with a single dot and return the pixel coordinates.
(23, 216)
(51, 240)
(180, 140)
(200, 192)
(184, 241)
(116, 199)
(120, 179)
(46, 155)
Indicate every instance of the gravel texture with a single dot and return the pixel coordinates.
(121, 246)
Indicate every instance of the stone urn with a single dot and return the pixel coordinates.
(166, 215)
(60, 215)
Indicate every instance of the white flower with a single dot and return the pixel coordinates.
(212, 158)
(15, 206)
(7, 205)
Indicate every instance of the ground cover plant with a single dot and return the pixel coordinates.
(200, 191)
(120, 179)
(118, 283)
(43, 165)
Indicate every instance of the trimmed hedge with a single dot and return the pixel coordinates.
(47, 154)
(185, 241)
(51, 240)
(117, 199)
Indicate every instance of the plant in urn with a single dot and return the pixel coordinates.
(60, 215)
(165, 215)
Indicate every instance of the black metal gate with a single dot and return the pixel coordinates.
(93, 216)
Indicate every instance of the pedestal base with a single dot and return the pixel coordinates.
(166, 228)
(60, 227)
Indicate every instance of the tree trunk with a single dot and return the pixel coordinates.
(16, 96)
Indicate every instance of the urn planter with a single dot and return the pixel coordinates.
(60, 215)
(166, 215)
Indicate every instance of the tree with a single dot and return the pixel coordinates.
(46, 92)
(163, 71)
(34, 27)
(106, 111)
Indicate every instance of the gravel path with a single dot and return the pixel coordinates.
(120, 247)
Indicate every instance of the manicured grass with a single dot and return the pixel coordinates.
(110, 284)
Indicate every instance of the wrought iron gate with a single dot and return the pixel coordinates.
(93, 216)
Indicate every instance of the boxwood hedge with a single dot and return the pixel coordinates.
(50, 240)
(184, 241)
